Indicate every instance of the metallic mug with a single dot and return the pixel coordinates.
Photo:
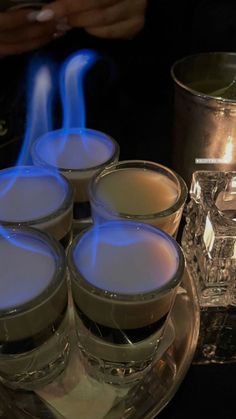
(204, 133)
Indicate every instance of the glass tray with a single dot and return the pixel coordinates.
(87, 399)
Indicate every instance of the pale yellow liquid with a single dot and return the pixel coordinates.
(137, 191)
(216, 88)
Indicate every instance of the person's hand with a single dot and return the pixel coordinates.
(102, 18)
(20, 33)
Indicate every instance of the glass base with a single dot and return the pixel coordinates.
(135, 367)
(37, 368)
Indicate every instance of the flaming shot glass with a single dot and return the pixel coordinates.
(140, 190)
(37, 197)
(34, 340)
(78, 153)
(124, 278)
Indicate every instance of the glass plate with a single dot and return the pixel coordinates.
(92, 400)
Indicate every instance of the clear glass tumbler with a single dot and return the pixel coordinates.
(34, 322)
(77, 153)
(140, 190)
(124, 278)
(37, 197)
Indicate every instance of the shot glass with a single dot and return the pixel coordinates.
(140, 190)
(37, 197)
(34, 337)
(124, 278)
(78, 154)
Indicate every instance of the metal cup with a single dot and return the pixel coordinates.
(204, 113)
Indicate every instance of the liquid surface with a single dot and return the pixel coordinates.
(27, 268)
(136, 191)
(75, 151)
(125, 258)
(216, 88)
(30, 194)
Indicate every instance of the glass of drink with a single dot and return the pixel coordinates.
(141, 190)
(37, 197)
(34, 325)
(78, 153)
(124, 278)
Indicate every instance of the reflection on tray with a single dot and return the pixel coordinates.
(77, 395)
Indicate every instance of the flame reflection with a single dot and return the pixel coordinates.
(228, 152)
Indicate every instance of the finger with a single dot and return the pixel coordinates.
(121, 30)
(62, 8)
(31, 31)
(13, 19)
(106, 16)
(55, 10)
(19, 48)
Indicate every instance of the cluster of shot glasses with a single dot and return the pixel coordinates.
(87, 251)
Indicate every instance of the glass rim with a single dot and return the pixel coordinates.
(75, 131)
(66, 204)
(192, 91)
(145, 164)
(78, 278)
(58, 254)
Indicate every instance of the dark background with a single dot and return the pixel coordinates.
(208, 391)
(130, 97)
(129, 93)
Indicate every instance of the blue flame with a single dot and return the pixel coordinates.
(73, 149)
(28, 266)
(115, 233)
(126, 257)
(111, 233)
(121, 237)
(72, 76)
(41, 91)
(28, 197)
(16, 237)
(41, 88)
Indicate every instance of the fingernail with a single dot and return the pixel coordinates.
(32, 16)
(45, 15)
